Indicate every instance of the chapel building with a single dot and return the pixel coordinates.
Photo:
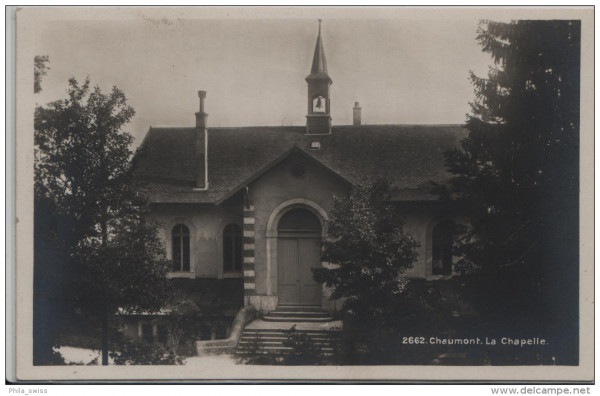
(242, 210)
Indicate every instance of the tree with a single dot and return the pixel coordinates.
(40, 69)
(368, 253)
(516, 177)
(83, 170)
(51, 307)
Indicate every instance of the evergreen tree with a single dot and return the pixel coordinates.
(367, 251)
(367, 254)
(112, 256)
(517, 180)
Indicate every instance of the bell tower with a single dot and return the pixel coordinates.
(318, 118)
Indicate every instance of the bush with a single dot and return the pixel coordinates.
(304, 351)
(145, 353)
(55, 359)
(253, 355)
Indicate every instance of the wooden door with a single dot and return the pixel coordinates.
(298, 251)
(309, 250)
(287, 256)
(297, 256)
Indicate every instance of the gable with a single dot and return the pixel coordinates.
(297, 175)
(294, 163)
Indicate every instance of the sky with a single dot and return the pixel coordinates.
(402, 69)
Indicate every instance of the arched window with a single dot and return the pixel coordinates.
(299, 220)
(181, 248)
(232, 248)
(442, 248)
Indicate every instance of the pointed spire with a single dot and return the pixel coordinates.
(319, 64)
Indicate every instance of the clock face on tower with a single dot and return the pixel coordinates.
(319, 104)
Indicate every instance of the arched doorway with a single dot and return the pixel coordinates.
(298, 250)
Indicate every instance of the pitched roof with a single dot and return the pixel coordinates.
(410, 156)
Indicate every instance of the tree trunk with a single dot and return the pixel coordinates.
(105, 336)
(105, 307)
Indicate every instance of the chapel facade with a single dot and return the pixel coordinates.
(242, 211)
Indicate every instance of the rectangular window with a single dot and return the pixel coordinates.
(162, 334)
(437, 259)
(176, 253)
(237, 253)
(442, 249)
(147, 332)
(186, 253)
(227, 255)
(232, 248)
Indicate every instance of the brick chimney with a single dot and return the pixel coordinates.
(201, 145)
(201, 115)
(356, 114)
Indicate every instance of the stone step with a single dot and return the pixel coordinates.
(296, 319)
(283, 348)
(272, 337)
(299, 308)
(303, 314)
(242, 353)
(285, 338)
(278, 348)
(274, 348)
(280, 342)
(311, 333)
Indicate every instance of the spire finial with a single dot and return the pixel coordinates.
(319, 65)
